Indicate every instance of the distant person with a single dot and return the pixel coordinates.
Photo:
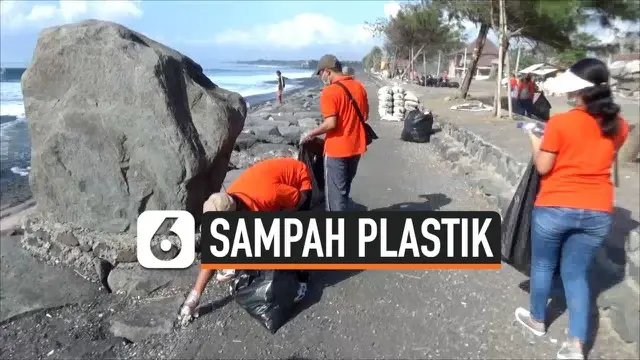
(345, 140)
(526, 92)
(513, 83)
(280, 87)
(278, 184)
(573, 210)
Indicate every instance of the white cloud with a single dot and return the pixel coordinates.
(300, 31)
(20, 14)
(391, 9)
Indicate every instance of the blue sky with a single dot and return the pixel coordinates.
(208, 30)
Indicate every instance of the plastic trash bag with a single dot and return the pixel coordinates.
(311, 153)
(418, 127)
(542, 107)
(410, 103)
(410, 96)
(516, 222)
(267, 295)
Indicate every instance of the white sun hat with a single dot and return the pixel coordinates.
(568, 82)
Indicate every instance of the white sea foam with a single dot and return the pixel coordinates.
(21, 171)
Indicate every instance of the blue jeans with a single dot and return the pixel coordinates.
(526, 107)
(339, 174)
(571, 236)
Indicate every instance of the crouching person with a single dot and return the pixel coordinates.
(280, 184)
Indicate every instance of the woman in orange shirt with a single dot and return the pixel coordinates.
(278, 184)
(572, 213)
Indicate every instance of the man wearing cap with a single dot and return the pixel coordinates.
(345, 140)
(279, 184)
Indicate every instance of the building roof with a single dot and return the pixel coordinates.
(626, 57)
(489, 52)
(489, 48)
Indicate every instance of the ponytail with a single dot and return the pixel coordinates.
(599, 103)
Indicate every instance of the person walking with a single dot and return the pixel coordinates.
(572, 211)
(280, 87)
(526, 92)
(278, 184)
(345, 107)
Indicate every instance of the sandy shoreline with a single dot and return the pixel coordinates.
(18, 193)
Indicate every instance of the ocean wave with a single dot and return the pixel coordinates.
(12, 108)
(10, 75)
(21, 171)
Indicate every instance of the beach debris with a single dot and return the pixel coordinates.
(474, 106)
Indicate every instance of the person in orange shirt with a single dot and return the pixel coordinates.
(345, 107)
(279, 184)
(572, 211)
(513, 83)
(526, 92)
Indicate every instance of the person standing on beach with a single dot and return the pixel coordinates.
(345, 107)
(280, 87)
(278, 184)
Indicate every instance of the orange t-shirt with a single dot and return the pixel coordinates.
(348, 137)
(513, 82)
(272, 184)
(531, 85)
(581, 174)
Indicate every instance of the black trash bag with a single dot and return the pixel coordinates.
(311, 153)
(542, 107)
(418, 127)
(516, 223)
(267, 295)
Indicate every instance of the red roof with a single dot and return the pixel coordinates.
(626, 57)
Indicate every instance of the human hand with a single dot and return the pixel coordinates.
(306, 137)
(189, 309)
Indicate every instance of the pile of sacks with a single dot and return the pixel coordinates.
(393, 102)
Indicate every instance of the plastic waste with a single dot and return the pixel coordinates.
(311, 154)
(267, 295)
(533, 126)
(516, 222)
(418, 127)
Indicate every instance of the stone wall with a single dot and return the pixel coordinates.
(618, 282)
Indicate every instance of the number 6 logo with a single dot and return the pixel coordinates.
(148, 224)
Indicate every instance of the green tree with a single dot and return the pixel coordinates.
(417, 26)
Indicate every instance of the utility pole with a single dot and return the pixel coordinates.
(464, 63)
(439, 59)
(424, 66)
(498, 100)
(518, 60)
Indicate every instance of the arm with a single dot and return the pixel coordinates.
(622, 135)
(545, 149)
(329, 110)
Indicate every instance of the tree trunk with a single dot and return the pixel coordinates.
(518, 60)
(482, 38)
(439, 59)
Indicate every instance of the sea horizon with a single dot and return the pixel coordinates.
(255, 82)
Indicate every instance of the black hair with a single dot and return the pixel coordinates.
(278, 72)
(598, 99)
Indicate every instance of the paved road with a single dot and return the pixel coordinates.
(373, 314)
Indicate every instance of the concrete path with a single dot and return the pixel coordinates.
(373, 314)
